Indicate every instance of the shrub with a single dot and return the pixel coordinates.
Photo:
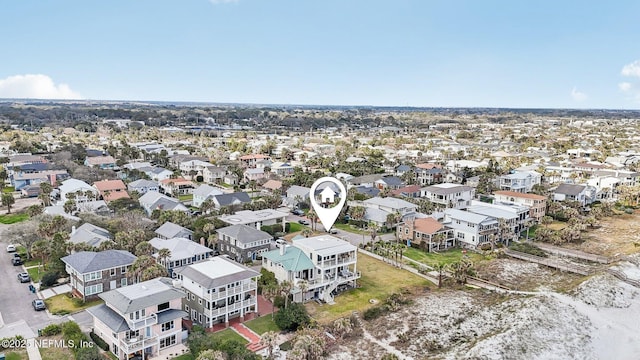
(292, 318)
(373, 313)
(528, 248)
(98, 340)
(87, 353)
(49, 278)
(50, 330)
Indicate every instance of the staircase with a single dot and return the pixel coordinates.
(253, 338)
(326, 294)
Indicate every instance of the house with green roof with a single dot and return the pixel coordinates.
(319, 267)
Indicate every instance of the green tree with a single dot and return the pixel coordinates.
(8, 200)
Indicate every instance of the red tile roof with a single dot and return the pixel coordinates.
(427, 226)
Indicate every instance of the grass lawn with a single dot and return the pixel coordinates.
(378, 281)
(351, 229)
(17, 354)
(32, 262)
(445, 257)
(262, 324)
(184, 357)
(186, 197)
(13, 218)
(295, 227)
(8, 189)
(228, 334)
(36, 273)
(56, 352)
(64, 303)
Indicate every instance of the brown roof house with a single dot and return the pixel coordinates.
(110, 190)
(426, 233)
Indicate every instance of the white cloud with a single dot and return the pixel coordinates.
(222, 1)
(632, 69)
(577, 95)
(624, 86)
(35, 86)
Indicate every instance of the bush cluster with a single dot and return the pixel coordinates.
(293, 317)
(50, 330)
(49, 278)
(71, 332)
(98, 340)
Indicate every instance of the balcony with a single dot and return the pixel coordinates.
(231, 291)
(343, 277)
(142, 323)
(231, 307)
(133, 344)
(336, 262)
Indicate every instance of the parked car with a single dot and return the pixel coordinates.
(303, 222)
(333, 231)
(297, 212)
(24, 277)
(38, 305)
(16, 261)
(11, 248)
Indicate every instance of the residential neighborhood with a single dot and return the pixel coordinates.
(157, 241)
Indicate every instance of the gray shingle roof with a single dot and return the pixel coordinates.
(180, 248)
(228, 199)
(170, 314)
(171, 230)
(90, 261)
(215, 272)
(109, 317)
(570, 189)
(244, 233)
(90, 234)
(142, 295)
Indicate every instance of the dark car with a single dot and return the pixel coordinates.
(16, 256)
(38, 305)
(303, 222)
(297, 212)
(16, 261)
(24, 277)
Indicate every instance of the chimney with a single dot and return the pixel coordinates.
(283, 249)
(73, 230)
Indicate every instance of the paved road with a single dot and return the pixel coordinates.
(353, 238)
(15, 297)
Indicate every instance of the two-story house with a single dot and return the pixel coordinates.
(153, 200)
(242, 242)
(94, 272)
(176, 187)
(448, 195)
(213, 174)
(110, 190)
(140, 320)
(522, 182)
(515, 216)
(183, 252)
(572, 192)
(77, 190)
(469, 228)
(218, 290)
(236, 198)
(256, 218)
(204, 192)
(142, 186)
(537, 203)
(251, 160)
(90, 235)
(170, 230)
(426, 233)
(318, 267)
(428, 174)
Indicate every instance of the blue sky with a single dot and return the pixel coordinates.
(573, 54)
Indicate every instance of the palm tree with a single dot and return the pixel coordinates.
(313, 217)
(144, 248)
(307, 232)
(163, 255)
(146, 268)
(311, 343)
(210, 354)
(270, 292)
(440, 268)
(285, 291)
(45, 193)
(303, 285)
(343, 326)
(373, 230)
(269, 339)
(8, 200)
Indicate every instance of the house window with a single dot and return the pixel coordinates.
(123, 270)
(93, 289)
(113, 272)
(123, 282)
(167, 326)
(163, 306)
(168, 341)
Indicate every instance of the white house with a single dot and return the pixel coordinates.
(449, 195)
(469, 228)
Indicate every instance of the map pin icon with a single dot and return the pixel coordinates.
(326, 210)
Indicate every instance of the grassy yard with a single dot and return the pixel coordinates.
(228, 334)
(378, 281)
(351, 229)
(445, 257)
(186, 197)
(8, 189)
(13, 218)
(16, 354)
(56, 352)
(262, 324)
(184, 357)
(65, 304)
(36, 273)
(32, 262)
(295, 227)
(557, 225)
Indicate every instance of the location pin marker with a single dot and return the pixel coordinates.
(330, 213)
